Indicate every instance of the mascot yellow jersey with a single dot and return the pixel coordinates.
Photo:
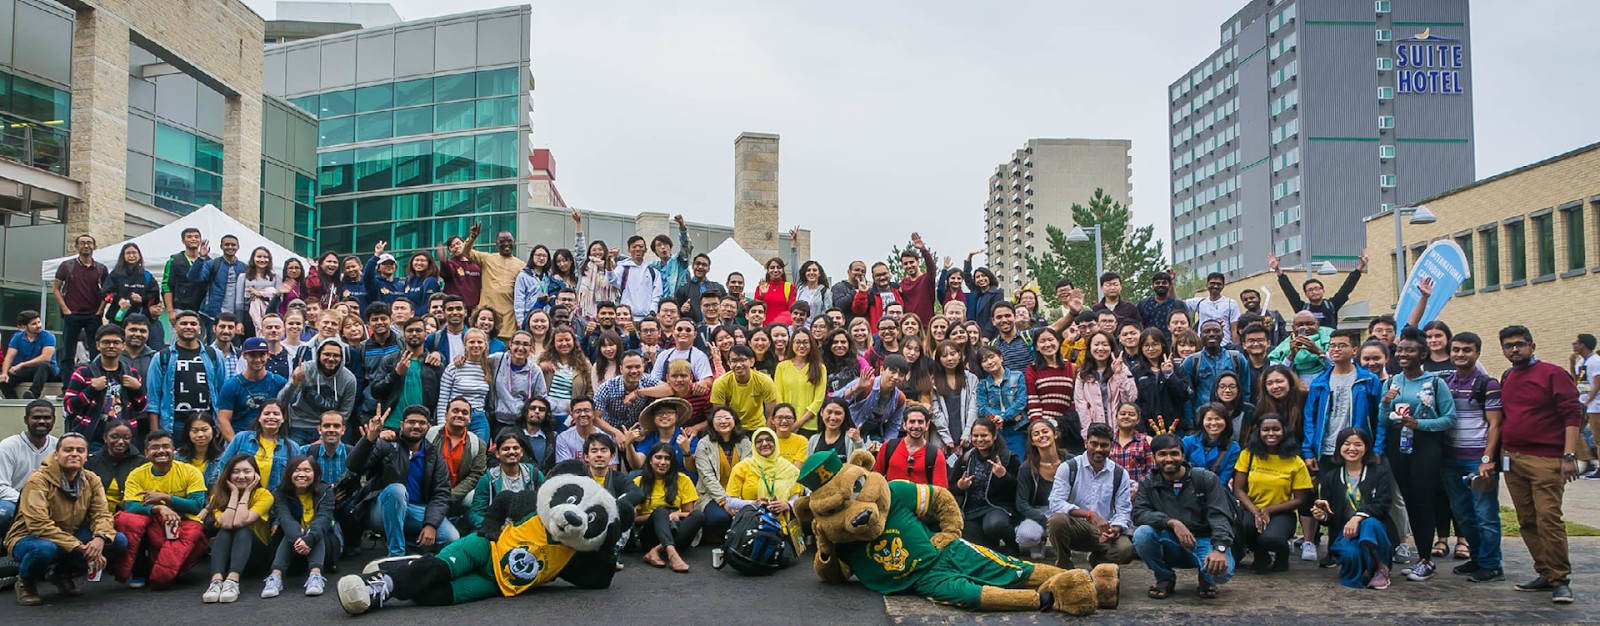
(887, 563)
(524, 556)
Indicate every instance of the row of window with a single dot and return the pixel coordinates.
(1286, 217)
(1285, 73)
(1210, 194)
(1287, 245)
(422, 120)
(1211, 244)
(446, 160)
(1220, 216)
(1488, 271)
(415, 221)
(1287, 130)
(1282, 46)
(1220, 164)
(1286, 159)
(1205, 97)
(1286, 188)
(35, 101)
(1281, 19)
(408, 93)
(1284, 103)
(1216, 64)
(1226, 265)
(1205, 148)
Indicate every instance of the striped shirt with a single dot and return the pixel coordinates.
(560, 389)
(1049, 391)
(466, 381)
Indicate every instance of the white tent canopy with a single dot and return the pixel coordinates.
(731, 257)
(166, 241)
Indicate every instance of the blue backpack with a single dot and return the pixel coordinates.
(756, 544)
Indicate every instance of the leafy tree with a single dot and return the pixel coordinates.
(1133, 254)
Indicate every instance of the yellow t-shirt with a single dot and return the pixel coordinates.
(264, 457)
(261, 503)
(793, 449)
(747, 400)
(795, 388)
(180, 481)
(1272, 479)
(307, 511)
(658, 495)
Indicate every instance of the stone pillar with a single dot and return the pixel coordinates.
(755, 194)
(241, 144)
(99, 142)
(651, 223)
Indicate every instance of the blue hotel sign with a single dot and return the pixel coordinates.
(1429, 64)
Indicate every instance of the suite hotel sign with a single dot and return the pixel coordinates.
(1429, 64)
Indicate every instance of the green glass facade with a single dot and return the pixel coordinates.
(289, 176)
(174, 139)
(34, 122)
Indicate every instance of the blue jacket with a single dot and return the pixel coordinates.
(1366, 399)
(419, 288)
(249, 442)
(1212, 458)
(212, 272)
(380, 289)
(1007, 400)
(158, 385)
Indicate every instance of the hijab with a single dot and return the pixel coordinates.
(776, 476)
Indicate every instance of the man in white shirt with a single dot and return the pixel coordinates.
(1215, 306)
(1585, 366)
(638, 284)
(1091, 503)
(22, 453)
(683, 336)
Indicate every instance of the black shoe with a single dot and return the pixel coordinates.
(1537, 584)
(1327, 561)
(1484, 575)
(1465, 568)
(1262, 564)
(1562, 594)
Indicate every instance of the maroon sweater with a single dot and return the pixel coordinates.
(917, 293)
(1540, 402)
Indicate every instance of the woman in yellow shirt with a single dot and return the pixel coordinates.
(199, 445)
(1270, 482)
(239, 507)
(791, 447)
(667, 521)
(802, 381)
(768, 480)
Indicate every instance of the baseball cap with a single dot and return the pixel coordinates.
(255, 344)
(385, 258)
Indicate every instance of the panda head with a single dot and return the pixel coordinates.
(577, 511)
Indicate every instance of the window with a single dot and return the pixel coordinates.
(1576, 254)
(1386, 181)
(1386, 152)
(1517, 239)
(1385, 121)
(1385, 64)
(1385, 34)
(1544, 228)
(1465, 241)
(1386, 93)
(1380, 6)
(1491, 256)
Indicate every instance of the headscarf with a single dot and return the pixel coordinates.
(775, 475)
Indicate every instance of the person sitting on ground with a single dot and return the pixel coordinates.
(1213, 446)
(64, 526)
(790, 445)
(600, 456)
(912, 457)
(766, 479)
(160, 518)
(463, 453)
(985, 482)
(667, 520)
(268, 444)
(117, 457)
(1091, 502)
(199, 445)
(511, 474)
(715, 456)
(407, 481)
(302, 509)
(1355, 507)
(1270, 482)
(1130, 448)
(1034, 480)
(21, 454)
(238, 508)
(836, 432)
(1184, 518)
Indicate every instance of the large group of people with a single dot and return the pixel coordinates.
(300, 407)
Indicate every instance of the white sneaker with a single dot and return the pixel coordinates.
(1402, 553)
(213, 591)
(1308, 551)
(230, 591)
(315, 584)
(272, 587)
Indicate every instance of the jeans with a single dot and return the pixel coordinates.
(76, 327)
(8, 512)
(231, 548)
(480, 425)
(1477, 514)
(36, 558)
(34, 375)
(1161, 552)
(718, 521)
(397, 518)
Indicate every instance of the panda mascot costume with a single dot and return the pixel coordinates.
(569, 529)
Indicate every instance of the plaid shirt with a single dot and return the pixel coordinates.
(332, 463)
(608, 398)
(1134, 457)
(232, 362)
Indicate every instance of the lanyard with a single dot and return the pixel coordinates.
(1352, 491)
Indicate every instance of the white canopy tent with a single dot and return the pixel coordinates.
(166, 241)
(731, 257)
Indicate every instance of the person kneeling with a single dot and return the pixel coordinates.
(162, 502)
(303, 509)
(1185, 519)
(1355, 504)
(1091, 500)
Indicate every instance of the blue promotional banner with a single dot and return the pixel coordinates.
(1446, 264)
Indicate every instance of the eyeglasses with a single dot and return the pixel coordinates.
(1228, 387)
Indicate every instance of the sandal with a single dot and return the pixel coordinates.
(1463, 551)
(1440, 548)
(1161, 589)
(1207, 592)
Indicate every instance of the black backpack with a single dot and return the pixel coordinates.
(756, 544)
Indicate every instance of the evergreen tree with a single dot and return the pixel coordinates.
(1133, 254)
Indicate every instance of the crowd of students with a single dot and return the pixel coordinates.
(301, 407)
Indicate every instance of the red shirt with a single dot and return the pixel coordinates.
(80, 285)
(917, 293)
(464, 279)
(1049, 391)
(778, 298)
(913, 466)
(1540, 402)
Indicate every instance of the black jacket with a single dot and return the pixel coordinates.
(1033, 494)
(1377, 495)
(1163, 395)
(385, 463)
(1204, 505)
(987, 491)
(387, 385)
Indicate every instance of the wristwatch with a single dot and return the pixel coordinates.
(1569, 457)
(1222, 549)
(1486, 459)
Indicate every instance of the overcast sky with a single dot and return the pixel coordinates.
(893, 114)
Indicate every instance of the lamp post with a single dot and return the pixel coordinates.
(1080, 234)
(1419, 215)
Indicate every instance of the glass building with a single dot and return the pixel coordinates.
(174, 138)
(289, 176)
(422, 127)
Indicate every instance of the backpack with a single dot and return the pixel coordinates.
(891, 446)
(756, 544)
(628, 268)
(1116, 479)
(1235, 511)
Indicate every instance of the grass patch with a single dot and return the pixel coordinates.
(1510, 528)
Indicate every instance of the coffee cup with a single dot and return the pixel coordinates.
(717, 558)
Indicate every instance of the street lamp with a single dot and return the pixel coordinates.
(1419, 215)
(1326, 268)
(1080, 234)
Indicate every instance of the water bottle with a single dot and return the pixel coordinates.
(1406, 436)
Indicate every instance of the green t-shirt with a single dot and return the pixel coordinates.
(887, 564)
(410, 393)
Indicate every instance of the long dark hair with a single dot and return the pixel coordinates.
(186, 447)
(997, 450)
(547, 427)
(601, 363)
(1091, 368)
(1031, 455)
(1226, 436)
(250, 271)
(1160, 338)
(822, 275)
(218, 498)
(122, 267)
(1291, 408)
(548, 263)
(647, 480)
(735, 436)
(1039, 360)
(844, 426)
(1286, 444)
(286, 491)
(571, 278)
(1235, 405)
(813, 358)
(1370, 458)
(941, 374)
(430, 272)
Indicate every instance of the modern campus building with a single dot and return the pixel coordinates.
(1310, 117)
(1038, 187)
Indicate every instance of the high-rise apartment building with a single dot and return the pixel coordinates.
(1310, 117)
(1038, 187)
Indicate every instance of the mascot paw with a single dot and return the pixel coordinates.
(940, 540)
(1074, 592)
(1106, 580)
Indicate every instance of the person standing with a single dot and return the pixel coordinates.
(184, 377)
(1111, 300)
(1157, 308)
(219, 279)
(691, 295)
(1326, 310)
(1215, 306)
(1585, 366)
(1474, 496)
(29, 357)
(917, 283)
(316, 387)
(1540, 439)
(673, 268)
(178, 293)
(499, 276)
(77, 291)
(638, 285)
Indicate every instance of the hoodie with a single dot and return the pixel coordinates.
(319, 392)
